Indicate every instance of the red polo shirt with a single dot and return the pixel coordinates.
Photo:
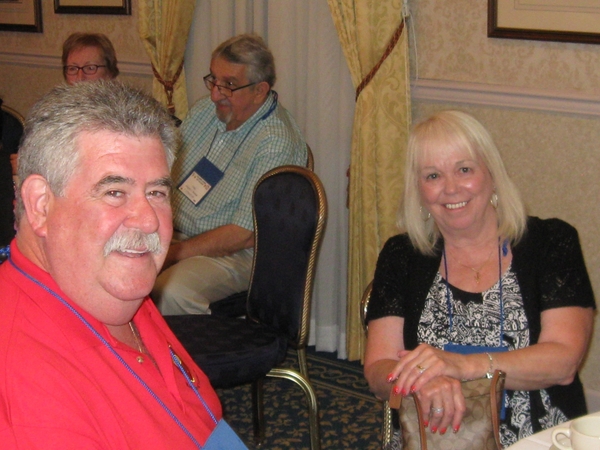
(62, 388)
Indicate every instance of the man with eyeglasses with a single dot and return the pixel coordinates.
(88, 57)
(229, 140)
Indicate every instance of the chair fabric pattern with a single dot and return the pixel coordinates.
(285, 223)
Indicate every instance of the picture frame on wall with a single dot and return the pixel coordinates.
(21, 15)
(545, 20)
(122, 7)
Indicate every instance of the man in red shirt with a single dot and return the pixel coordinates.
(86, 359)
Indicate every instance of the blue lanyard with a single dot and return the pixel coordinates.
(175, 358)
(449, 303)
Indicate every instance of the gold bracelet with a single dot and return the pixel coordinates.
(490, 372)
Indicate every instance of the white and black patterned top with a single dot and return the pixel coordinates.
(476, 321)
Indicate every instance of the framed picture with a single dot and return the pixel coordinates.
(21, 15)
(545, 20)
(92, 7)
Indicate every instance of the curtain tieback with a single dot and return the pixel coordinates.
(169, 86)
(388, 51)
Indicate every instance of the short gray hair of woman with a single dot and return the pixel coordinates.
(50, 139)
(452, 130)
(251, 51)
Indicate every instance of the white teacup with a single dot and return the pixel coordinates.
(584, 434)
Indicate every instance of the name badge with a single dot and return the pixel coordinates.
(200, 181)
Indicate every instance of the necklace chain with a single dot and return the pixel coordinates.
(136, 336)
(140, 344)
(477, 271)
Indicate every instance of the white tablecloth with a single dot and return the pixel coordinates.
(541, 440)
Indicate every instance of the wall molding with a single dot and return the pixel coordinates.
(422, 90)
(130, 68)
(506, 97)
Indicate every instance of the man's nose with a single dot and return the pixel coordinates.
(215, 94)
(143, 216)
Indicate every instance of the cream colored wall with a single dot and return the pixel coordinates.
(30, 62)
(553, 157)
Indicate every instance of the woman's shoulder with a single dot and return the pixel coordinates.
(549, 230)
(398, 240)
(400, 253)
(399, 245)
(547, 238)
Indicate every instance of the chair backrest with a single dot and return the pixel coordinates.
(290, 211)
(12, 128)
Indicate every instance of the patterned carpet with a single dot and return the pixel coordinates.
(350, 415)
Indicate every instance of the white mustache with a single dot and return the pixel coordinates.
(133, 241)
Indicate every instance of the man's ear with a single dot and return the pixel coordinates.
(262, 90)
(36, 196)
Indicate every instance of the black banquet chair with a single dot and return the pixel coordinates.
(290, 210)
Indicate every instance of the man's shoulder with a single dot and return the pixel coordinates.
(280, 131)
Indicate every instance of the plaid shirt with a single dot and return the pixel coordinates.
(244, 155)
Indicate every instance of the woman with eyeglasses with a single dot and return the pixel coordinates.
(88, 57)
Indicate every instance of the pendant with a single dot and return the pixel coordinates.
(477, 277)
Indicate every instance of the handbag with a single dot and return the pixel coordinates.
(480, 426)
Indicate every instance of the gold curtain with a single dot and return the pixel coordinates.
(164, 26)
(375, 45)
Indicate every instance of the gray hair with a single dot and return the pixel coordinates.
(251, 51)
(50, 141)
(456, 130)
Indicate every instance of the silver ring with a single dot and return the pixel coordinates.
(421, 368)
(437, 410)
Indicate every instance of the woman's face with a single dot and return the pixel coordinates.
(87, 56)
(456, 188)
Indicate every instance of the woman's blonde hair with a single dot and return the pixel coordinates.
(448, 131)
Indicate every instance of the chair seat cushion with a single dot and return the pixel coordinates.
(247, 353)
(232, 306)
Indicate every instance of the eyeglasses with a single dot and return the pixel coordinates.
(88, 69)
(209, 82)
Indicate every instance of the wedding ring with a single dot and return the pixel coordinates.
(421, 368)
(437, 410)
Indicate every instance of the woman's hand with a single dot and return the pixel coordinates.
(443, 404)
(421, 365)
